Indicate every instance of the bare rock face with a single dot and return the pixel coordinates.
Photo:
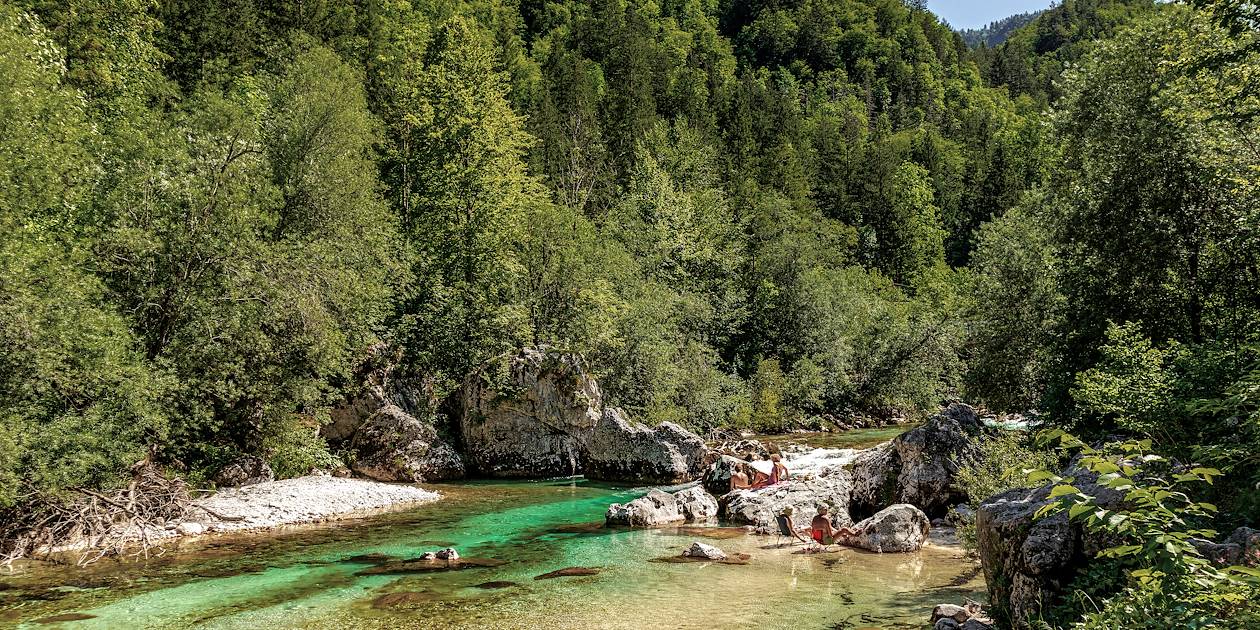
(393, 445)
(897, 528)
(653, 509)
(392, 426)
(760, 507)
(918, 467)
(620, 450)
(1028, 562)
(243, 471)
(537, 423)
(1241, 548)
(547, 417)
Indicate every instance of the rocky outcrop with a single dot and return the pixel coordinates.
(653, 509)
(760, 507)
(393, 445)
(696, 505)
(620, 450)
(540, 413)
(918, 466)
(243, 471)
(897, 528)
(1028, 561)
(1240, 548)
(392, 427)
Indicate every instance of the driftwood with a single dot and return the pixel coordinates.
(96, 523)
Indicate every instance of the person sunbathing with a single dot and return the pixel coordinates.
(739, 480)
(779, 472)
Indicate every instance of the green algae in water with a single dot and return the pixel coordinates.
(303, 579)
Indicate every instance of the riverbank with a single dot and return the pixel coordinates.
(300, 501)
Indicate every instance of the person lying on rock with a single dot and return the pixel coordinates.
(762, 470)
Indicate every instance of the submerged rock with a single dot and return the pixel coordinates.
(895, 529)
(918, 467)
(393, 445)
(701, 550)
(422, 565)
(64, 617)
(243, 471)
(568, 572)
(443, 554)
(403, 599)
(545, 416)
(496, 584)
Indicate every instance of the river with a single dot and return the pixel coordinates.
(310, 577)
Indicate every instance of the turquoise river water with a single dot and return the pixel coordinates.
(315, 577)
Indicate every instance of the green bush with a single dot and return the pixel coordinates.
(1169, 583)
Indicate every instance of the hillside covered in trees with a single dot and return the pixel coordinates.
(216, 217)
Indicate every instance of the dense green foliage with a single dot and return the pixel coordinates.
(1159, 578)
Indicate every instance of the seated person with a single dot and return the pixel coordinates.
(820, 528)
(761, 474)
(739, 480)
(779, 472)
(786, 526)
(822, 531)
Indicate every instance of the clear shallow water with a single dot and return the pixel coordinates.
(303, 580)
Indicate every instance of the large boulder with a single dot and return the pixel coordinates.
(761, 506)
(1241, 548)
(393, 426)
(918, 467)
(1028, 561)
(540, 413)
(393, 445)
(620, 450)
(696, 504)
(243, 471)
(897, 528)
(535, 420)
(653, 509)
(717, 477)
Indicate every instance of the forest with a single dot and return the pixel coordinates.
(217, 215)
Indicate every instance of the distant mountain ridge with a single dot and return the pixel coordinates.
(997, 32)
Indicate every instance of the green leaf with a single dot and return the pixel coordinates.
(1063, 490)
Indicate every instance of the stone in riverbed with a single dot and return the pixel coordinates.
(568, 572)
(420, 565)
(957, 613)
(696, 505)
(496, 584)
(650, 510)
(190, 528)
(403, 599)
(896, 529)
(64, 617)
(701, 550)
(620, 450)
(760, 507)
(442, 554)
